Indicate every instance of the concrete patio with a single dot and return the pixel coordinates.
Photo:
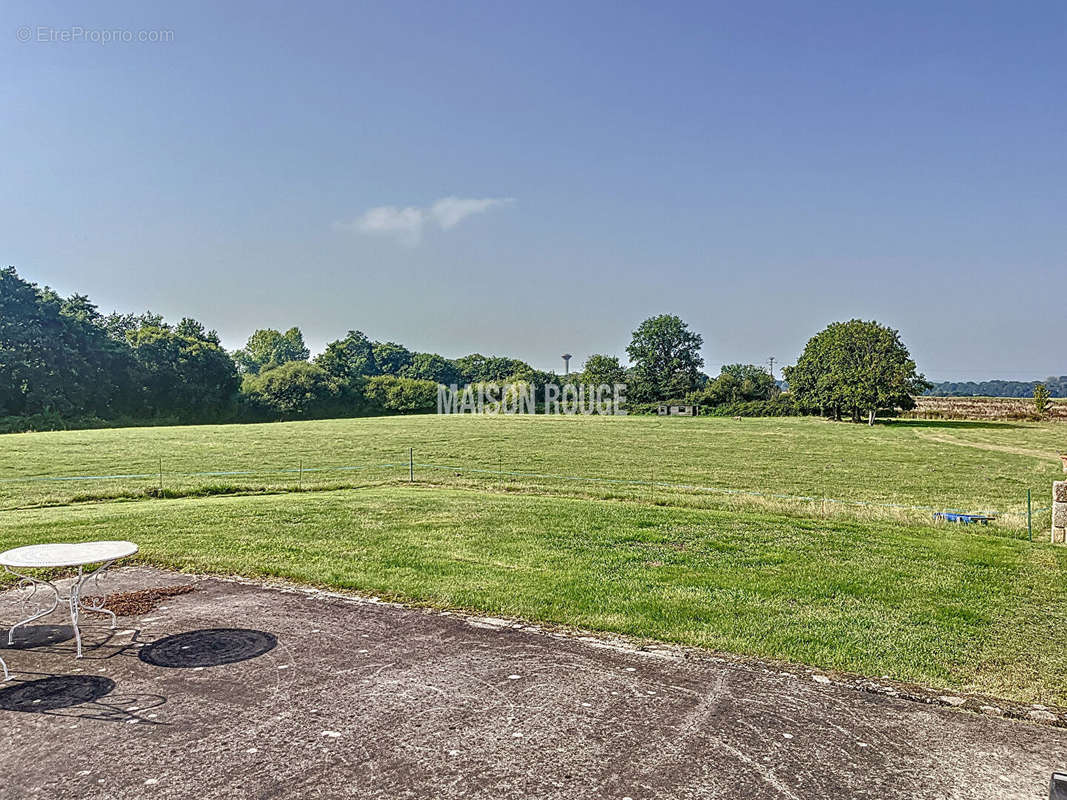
(239, 690)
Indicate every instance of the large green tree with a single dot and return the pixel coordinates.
(433, 367)
(666, 359)
(194, 329)
(118, 325)
(857, 368)
(477, 368)
(391, 358)
(184, 371)
(268, 348)
(601, 369)
(56, 355)
(349, 359)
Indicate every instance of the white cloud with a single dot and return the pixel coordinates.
(406, 224)
(450, 211)
(390, 219)
(403, 223)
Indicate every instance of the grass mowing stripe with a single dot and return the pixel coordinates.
(695, 488)
(226, 473)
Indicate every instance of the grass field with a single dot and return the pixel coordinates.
(842, 585)
(933, 605)
(931, 464)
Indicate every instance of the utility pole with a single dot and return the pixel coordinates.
(775, 391)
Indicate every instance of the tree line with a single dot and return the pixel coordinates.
(64, 363)
(1055, 385)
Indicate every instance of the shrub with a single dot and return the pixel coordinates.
(737, 383)
(1042, 401)
(402, 395)
(779, 407)
(295, 389)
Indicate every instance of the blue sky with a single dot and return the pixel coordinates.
(760, 169)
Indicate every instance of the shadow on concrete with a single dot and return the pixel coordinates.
(37, 636)
(55, 692)
(80, 697)
(210, 647)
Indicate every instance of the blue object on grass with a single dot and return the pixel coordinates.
(965, 519)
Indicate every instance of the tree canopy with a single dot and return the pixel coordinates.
(184, 371)
(61, 359)
(855, 367)
(477, 368)
(600, 369)
(61, 356)
(268, 348)
(737, 383)
(666, 359)
(432, 367)
(293, 390)
(1056, 385)
(391, 358)
(348, 358)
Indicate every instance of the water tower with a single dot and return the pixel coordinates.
(566, 363)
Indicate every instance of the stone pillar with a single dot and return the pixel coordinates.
(1059, 512)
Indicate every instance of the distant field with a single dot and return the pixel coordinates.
(693, 462)
(941, 606)
(980, 408)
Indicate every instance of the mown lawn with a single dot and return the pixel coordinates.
(942, 606)
(963, 465)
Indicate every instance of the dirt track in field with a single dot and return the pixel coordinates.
(944, 438)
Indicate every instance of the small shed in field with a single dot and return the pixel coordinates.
(678, 411)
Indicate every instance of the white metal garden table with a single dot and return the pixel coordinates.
(48, 556)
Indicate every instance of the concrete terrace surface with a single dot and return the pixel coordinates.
(238, 690)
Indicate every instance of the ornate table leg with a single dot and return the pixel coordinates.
(26, 580)
(74, 601)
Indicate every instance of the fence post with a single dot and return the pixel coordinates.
(300, 476)
(161, 475)
(1029, 518)
(652, 487)
(411, 465)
